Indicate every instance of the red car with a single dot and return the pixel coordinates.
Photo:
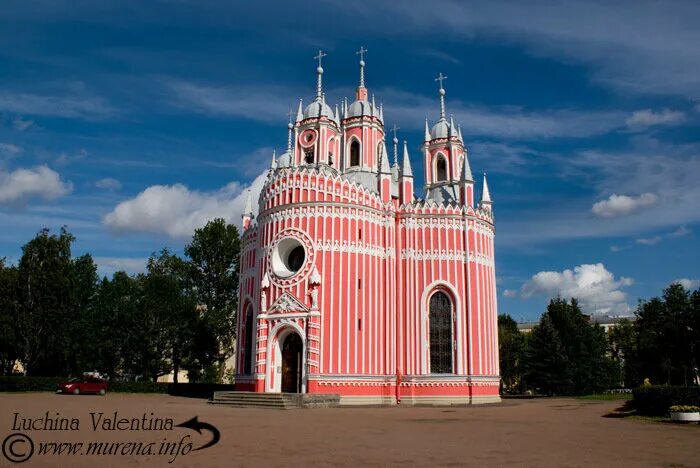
(83, 385)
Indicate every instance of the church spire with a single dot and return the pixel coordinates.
(384, 163)
(427, 131)
(406, 170)
(441, 91)
(273, 163)
(300, 111)
(361, 53)
(485, 194)
(290, 129)
(396, 146)
(247, 214)
(466, 174)
(361, 92)
(319, 74)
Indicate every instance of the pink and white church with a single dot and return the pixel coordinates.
(352, 285)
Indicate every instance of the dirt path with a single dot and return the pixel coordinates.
(553, 432)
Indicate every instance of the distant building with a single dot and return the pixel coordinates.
(606, 321)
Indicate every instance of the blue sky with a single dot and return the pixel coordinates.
(133, 122)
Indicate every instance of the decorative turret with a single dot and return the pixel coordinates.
(384, 175)
(286, 158)
(443, 154)
(486, 202)
(406, 178)
(363, 131)
(247, 212)
(273, 163)
(466, 183)
(395, 166)
(317, 129)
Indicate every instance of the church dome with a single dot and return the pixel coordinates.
(440, 130)
(360, 108)
(284, 160)
(318, 108)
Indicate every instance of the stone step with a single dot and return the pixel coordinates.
(251, 405)
(273, 400)
(235, 398)
(261, 403)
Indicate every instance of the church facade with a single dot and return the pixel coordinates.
(352, 285)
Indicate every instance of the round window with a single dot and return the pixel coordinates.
(288, 257)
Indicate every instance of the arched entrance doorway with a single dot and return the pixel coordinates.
(292, 347)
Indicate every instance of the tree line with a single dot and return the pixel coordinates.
(58, 318)
(567, 354)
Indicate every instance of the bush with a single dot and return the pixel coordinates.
(141, 386)
(655, 400)
(29, 384)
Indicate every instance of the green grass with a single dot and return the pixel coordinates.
(607, 397)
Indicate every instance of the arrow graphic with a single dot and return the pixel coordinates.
(195, 425)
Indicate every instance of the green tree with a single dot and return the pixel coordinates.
(667, 337)
(695, 334)
(622, 342)
(511, 343)
(214, 261)
(10, 347)
(80, 340)
(578, 361)
(169, 314)
(46, 309)
(115, 321)
(546, 369)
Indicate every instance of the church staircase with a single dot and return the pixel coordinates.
(274, 400)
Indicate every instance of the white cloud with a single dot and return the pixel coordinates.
(622, 205)
(596, 288)
(8, 149)
(265, 104)
(21, 124)
(648, 49)
(108, 183)
(512, 122)
(646, 118)
(648, 240)
(23, 184)
(69, 100)
(66, 158)
(689, 284)
(510, 293)
(680, 232)
(107, 266)
(177, 211)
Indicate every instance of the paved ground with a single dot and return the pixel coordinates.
(553, 432)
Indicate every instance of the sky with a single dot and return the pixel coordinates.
(134, 122)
